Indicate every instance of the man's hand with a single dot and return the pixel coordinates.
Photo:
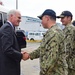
(25, 55)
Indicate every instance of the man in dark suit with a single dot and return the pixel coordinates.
(10, 53)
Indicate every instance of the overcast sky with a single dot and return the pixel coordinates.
(33, 8)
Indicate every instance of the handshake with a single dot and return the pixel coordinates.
(25, 56)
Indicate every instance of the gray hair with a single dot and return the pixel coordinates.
(11, 12)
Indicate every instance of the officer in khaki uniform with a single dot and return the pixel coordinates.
(52, 50)
(69, 31)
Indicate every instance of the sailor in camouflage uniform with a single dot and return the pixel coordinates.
(69, 31)
(52, 50)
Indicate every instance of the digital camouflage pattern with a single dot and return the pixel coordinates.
(51, 53)
(69, 32)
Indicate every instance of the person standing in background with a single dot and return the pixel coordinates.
(73, 22)
(69, 32)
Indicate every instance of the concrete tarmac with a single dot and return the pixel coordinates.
(30, 67)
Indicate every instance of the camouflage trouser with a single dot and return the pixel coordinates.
(71, 72)
(52, 73)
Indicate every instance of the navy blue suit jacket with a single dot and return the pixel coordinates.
(10, 53)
